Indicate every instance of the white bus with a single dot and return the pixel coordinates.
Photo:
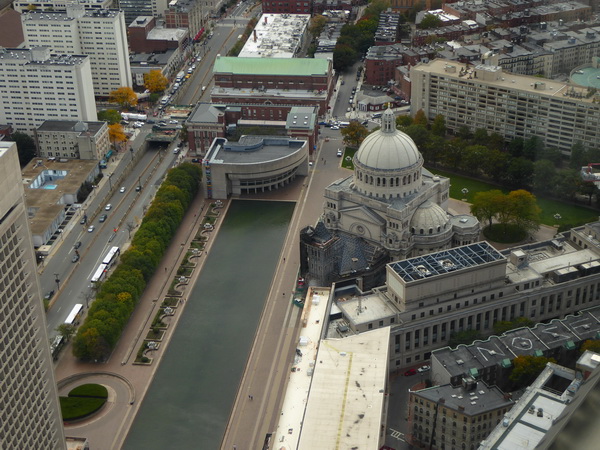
(111, 257)
(74, 315)
(99, 274)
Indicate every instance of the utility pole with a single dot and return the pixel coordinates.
(57, 279)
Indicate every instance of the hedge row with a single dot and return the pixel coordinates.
(117, 296)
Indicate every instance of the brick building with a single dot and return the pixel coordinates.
(381, 62)
(186, 14)
(287, 6)
(146, 37)
(273, 81)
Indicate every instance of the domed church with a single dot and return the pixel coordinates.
(390, 209)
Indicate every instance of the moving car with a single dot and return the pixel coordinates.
(103, 218)
(75, 258)
(122, 189)
(176, 150)
(83, 220)
(91, 228)
(77, 245)
(49, 295)
(108, 207)
(138, 188)
(335, 127)
(174, 122)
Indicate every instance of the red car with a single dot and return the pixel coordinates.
(410, 372)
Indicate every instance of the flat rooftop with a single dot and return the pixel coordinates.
(276, 36)
(252, 149)
(69, 126)
(348, 393)
(474, 402)
(271, 66)
(365, 309)
(45, 185)
(455, 259)
(506, 80)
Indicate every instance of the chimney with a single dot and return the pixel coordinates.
(266, 18)
(254, 35)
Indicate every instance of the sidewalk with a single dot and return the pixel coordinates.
(130, 382)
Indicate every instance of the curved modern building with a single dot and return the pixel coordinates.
(252, 165)
(390, 209)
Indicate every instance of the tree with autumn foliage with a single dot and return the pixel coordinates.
(124, 97)
(527, 368)
(116, 134)
(354, 134)
(155, 81)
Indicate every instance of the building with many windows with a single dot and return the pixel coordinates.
(190, 14)
(36, 85)
(57, 5)
(100, 34)
(427, 298)
(455, 416)
(70, 139)
(135, 8)
(28, 397)
(514, 106)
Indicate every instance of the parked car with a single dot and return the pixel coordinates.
(410, 372)
(83, 220)
(176, 150)
(335, 127)
(122, 189)
(103, 218)
(91, 228)
(195, 160)
(339, 152)
(77, 245)
(49, 295)
(150, 121)
(424, 369)
(108, 207)
(173, 122)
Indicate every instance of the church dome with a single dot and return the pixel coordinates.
(429, 218)
(388, 148)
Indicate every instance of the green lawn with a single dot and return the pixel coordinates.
(83, 401)
(347, 158)
(570, 214)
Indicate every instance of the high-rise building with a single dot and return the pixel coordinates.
(99, 34)
(29, 408)
(57, 5)
(36, 85)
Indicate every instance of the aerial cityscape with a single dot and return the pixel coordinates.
(300, 224)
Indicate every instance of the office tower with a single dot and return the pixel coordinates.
(29, 409)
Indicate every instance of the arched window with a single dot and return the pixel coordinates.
(383, 182)
(403, 181)
(421, 231)
(431, 231)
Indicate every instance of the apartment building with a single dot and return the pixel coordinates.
(455, 416)
(190, 14)
(60, 139)
(135, 8)
(514, 106)
(28, 397)
(36, 85)
(100, 34)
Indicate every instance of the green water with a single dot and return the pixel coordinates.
(191, 396)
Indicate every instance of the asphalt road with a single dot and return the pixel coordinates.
(127, 211)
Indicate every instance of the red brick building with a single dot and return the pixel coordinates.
(146, 37)
(209, 121)
(273, 81)
(287, 6)
(381, 62)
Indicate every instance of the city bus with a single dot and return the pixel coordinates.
(111, 257)
(74, 315)
(99, 274)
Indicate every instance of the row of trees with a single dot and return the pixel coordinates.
(520, 163)
(355, 39)
(116, 297)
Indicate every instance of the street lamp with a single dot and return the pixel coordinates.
(464, 191)
(57, 280)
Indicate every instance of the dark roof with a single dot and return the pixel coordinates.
(69, 126)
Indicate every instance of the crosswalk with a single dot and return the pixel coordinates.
(397, 435)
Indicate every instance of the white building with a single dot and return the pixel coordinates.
(100, 34)
(36, 85)
(390, 209)
(57, 5)
(28, 397)
(277, 36)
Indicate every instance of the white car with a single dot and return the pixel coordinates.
(424, 369)
(335, 127)
(176, 150)
(174, 122)
(91, 228)
(108, 207)
(339, 152)
(122, 189)
(194, 67)
(138, 125)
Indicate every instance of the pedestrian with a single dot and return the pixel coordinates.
(165, 269)
(284, 294)
(283, 259)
